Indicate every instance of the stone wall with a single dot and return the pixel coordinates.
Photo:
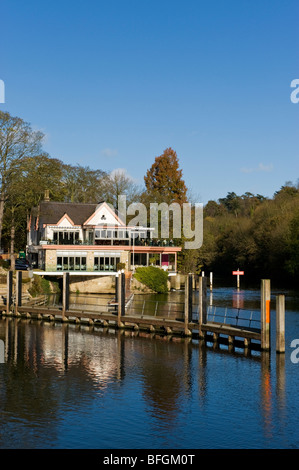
(92, 284)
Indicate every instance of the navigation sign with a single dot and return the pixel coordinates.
(238, 273)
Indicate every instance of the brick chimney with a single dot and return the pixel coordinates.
(47, 196)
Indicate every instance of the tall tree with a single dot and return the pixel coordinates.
(40, 173)
(17, 140)
(82, 184)
(164, 179)
(119, 183)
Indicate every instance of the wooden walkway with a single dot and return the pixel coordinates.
(210, 331)
(119, 316)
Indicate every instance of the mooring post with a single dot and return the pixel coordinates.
(178, 282)
(188, 303)
(121, 296)
(200, 305)
(265, 314)
(65, 293)
(9, 291)
(116, 286)
(202, 311)
(190, 293)
(18, 300)
(280, 323)
(123, 293)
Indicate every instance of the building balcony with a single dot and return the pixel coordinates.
(113, 242)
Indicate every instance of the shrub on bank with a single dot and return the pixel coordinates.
(42, 286)
(154, 278)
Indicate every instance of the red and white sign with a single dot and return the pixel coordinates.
(238, 273)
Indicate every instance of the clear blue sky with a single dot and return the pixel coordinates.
(112, 84)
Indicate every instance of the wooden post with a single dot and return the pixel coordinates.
(123, 293)
(188, 303)
(265, 314)
(65, 293)
(204, 300)
(202, 311)
(190, 293)
(18, 301)
(211, 281)
(2, 351)
(116, 286)
(280, 323)
(200, 306)
(9, 291)
(121, 285)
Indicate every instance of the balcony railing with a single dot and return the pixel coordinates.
(114, 242)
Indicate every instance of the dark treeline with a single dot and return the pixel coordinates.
(253, 233)
(256, 234)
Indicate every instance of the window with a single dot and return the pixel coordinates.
(107, 263)
(66, 238)
(139, 259)
(71, 263)
(59, 263)
(77, 263)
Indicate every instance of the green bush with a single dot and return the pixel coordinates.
(154, 278)
(4, 263)
(120, 266)
(42, 286)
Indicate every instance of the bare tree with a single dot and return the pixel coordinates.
(119, 183)
(17, 140)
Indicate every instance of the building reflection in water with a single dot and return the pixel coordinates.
(40, 354)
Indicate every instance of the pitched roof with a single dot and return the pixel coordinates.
(52, 212)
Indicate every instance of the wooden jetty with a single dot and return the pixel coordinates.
(118, 315)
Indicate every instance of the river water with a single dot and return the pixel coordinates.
(75, 386)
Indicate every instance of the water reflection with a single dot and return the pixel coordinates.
(54, 371)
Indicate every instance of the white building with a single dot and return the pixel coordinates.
(92, 238)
